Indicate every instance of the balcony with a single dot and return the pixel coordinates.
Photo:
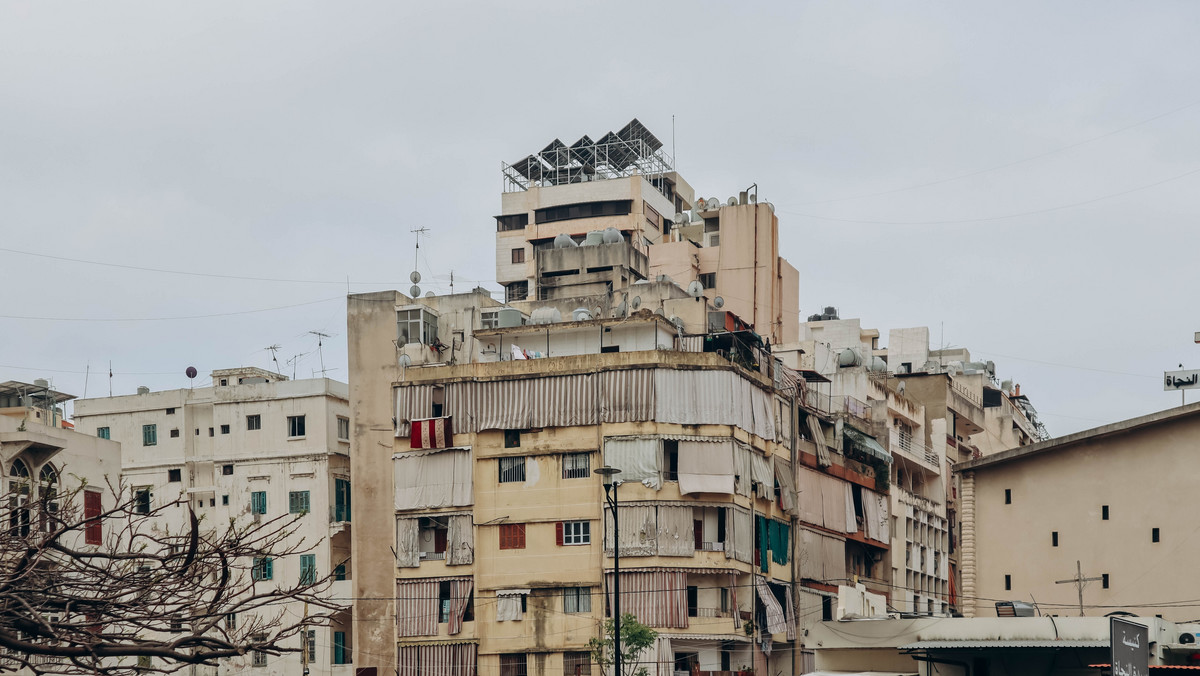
(968, 408)
(844, 403)
(906, 447)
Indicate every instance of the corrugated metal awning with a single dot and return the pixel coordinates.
(867, 444)
(1015, 643)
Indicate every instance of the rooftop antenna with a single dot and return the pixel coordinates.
(86, 371)
(110, 378)
(293, 361)
(451, 282)
(320, 352)
(273, 349)
(418, 232)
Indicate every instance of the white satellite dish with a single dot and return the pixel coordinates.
(732, 201)
(713, 202)
(414, 277)
(754, 198)
(636, 304)
(695, 289)
(414, 291)
(429, 294)
(404, 360)
(680, 218)
(700, 204)
(718, 302)
(660, 312)
(598, 313)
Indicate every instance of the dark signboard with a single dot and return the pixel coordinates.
(1130, 644)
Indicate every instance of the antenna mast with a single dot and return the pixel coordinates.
(273, 349)
(418, 232)
(320, 351)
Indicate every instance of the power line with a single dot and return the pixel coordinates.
(164, 319)
(997, 218)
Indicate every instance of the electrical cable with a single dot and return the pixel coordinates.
(164, 319)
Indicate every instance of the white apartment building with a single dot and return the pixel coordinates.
(255, 444)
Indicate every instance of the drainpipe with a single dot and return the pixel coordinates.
(794, 538)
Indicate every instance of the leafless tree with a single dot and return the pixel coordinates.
(123, 590)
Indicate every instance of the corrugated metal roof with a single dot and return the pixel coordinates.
(1016, 643)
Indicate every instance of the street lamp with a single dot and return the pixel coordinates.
(610, 496)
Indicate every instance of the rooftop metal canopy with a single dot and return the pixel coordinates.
(632, 150)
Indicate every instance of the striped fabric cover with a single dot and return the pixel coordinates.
(443, 659)
(417, 608)
(460, 594)
(776, 622)
(657, 598)
(431, 433)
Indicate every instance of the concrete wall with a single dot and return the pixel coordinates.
(1137, 475)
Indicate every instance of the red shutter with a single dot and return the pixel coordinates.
(558, 533)
(439, 540)
(92, 533)
(698, 534)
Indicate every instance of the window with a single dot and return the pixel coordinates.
(224, 382)
(574, 532)
(231, 621)
(92, 534)
(258, 502)
(145, 662)
(1104, 512)
(1154, 535)
(175, 434)
(311, 645)
(210, 431)
(693, 601)
(1008, 496)
(586, 210)
(149, 435)
(224, 429)
(174, 475)
(1054, 539)
(197, 431)
(253, 422)
(343, 430)
(513, 665)
(176, 624)
(512, 438)
(827, 608)
(511, 222)
(341, 500)
(512, 536)
(578, 664)
(295, 425)
(308, 569)
(1008, 583)
(577, 600)
(227, 470)
(225, 500)
(339, 572)
(575, 466)
(670, 460)
(263, 569)
(170, 411)
(518, 255)
(340, 654)
(260, 658)
(1104, 580)
(416, 325)
(708, 280)
(141, 500)
(102, 432)
(516, 291)
(298, 502)
(512, 470)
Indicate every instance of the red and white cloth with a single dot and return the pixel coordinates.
(431, 433)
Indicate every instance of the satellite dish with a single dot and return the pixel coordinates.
(598, 313)
(414, 277)
(660, 312)
(713, 202)
(636, 304)
(414, 291)
(718, 302)
(191, 371)
(754, 198)
(900, 388)
(732, 201)
(680, 218)
(700, 204)
(429, 294)
(695, 289)
(404, 360)
(622, 310)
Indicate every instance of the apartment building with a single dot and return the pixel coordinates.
(1035, 515)
(253, 445)
(480, 511)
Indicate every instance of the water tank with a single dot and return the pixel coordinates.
(974, 366)
(507, 318)
(594, 238)
(142, 389)
(545, 315)
(850, 356)
(876, 364)
(42, 382)
(613, 236)
(830, 310)
(814, 318)
(564, 241)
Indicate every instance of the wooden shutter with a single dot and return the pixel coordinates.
(558, 533)
(93, 535)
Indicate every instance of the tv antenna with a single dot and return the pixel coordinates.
(293, 362)
(273, 349)
(1079, 581)
(320, 352)
(418, 232)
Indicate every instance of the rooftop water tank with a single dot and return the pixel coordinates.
(564, 241)
(594, 238)
(613, 236)
(507, 318)
(850, 356)
(545, 315)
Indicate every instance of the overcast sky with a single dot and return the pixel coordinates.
(1015, 176)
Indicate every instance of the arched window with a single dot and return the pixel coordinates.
(18, 499)
(48, 497)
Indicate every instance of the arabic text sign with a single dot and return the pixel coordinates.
(1180, 380)
(1130, 648)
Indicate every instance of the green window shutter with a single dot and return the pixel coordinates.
(268, 568)
(258, 502)
(308, 568)
(149, 435)
(298, 502)
(339, 647)
(341, 492)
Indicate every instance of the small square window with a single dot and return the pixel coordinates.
(174, 475)
(512, 470)
(102, 432)
(210, 431)
(1104, 580)
(227, 470)
(224, 382)
(512, 438)
(295, 425)
(224, 429)
(254, 422)
(575, 465)
(343, 428)
(1154, 535)
(225, 500)
(518, 255)
(1104, 512)
(1008, 496)
(170, 411)
(174, 434)
(576, 533)
(1054, 539)
(1008, 583)
(512, 536)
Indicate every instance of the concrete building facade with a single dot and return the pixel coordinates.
(254, 445)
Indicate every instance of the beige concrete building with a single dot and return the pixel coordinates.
(482, 538)
(254, 445)
(1111, 501)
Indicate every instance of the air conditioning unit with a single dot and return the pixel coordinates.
(712, 239)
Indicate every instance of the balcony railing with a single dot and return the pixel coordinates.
(712, 547)
(433, 556)
(844, 403)
(712, 612)
(912, 449)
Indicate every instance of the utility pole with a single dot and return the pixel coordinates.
(1079, 581)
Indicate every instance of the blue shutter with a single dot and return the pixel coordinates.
(341, 510)
(258, 502)
(308, 568)
(339, 647)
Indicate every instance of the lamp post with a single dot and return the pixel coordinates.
(610, 496)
